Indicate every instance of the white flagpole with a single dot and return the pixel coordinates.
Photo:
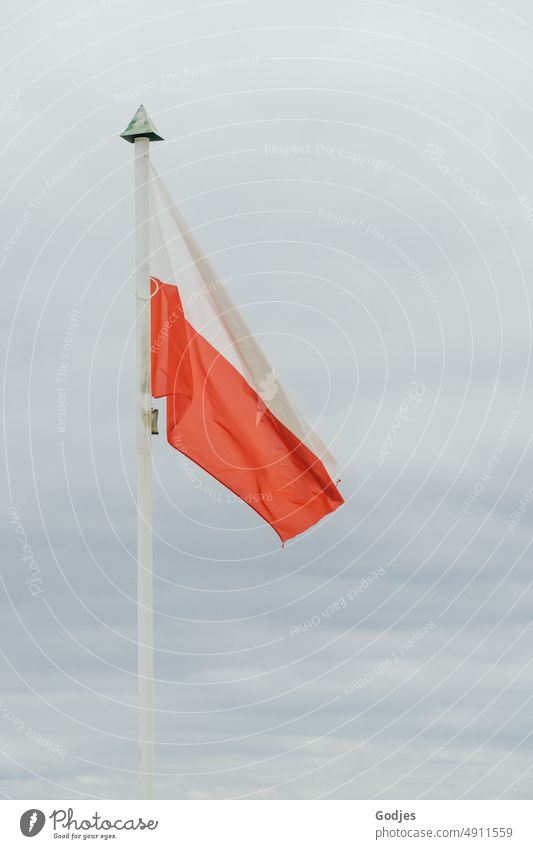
(145, 625)
(141, 132)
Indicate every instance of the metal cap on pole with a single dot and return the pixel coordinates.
(141, 125)
(141, 132)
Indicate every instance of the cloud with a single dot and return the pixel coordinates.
(330, 111)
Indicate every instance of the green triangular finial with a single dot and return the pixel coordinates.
(141, 126)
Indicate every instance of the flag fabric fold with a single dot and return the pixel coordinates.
(226, 409)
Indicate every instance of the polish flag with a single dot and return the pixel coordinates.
(226, 409)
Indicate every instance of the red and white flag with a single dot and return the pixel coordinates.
(226, 409)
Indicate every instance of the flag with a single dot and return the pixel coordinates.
(226, 408)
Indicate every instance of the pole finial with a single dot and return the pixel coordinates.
(141, 126)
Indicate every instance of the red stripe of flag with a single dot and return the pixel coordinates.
(212, 418)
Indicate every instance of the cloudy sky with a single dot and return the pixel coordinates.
(360, 173)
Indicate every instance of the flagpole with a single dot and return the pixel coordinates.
(141, 132)
(145, 625)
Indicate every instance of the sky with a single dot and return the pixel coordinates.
(360, 174)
